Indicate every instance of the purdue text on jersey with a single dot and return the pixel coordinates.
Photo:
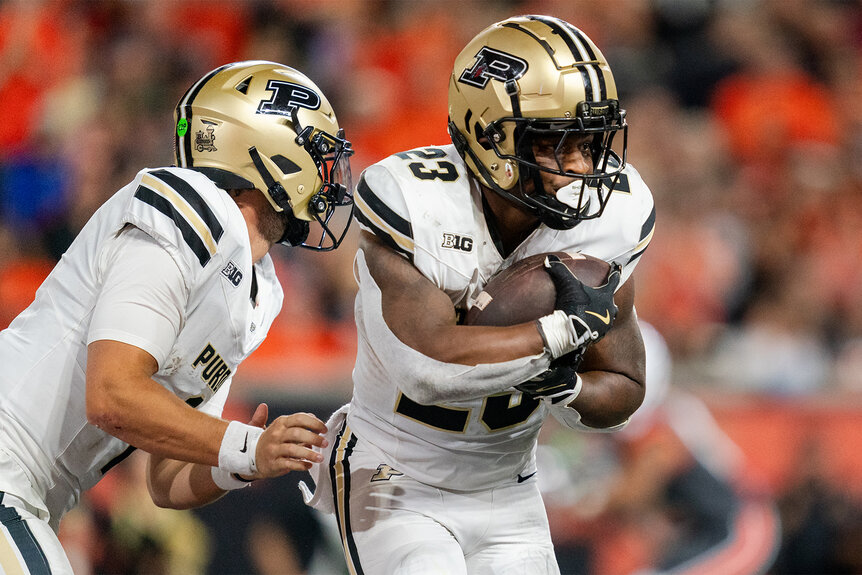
(215, 371)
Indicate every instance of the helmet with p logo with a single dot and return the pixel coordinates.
(263, 125)
(529, 78)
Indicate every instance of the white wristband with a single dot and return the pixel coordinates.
(228, 481)
(559, 333)
(555, 333)
(238, 448)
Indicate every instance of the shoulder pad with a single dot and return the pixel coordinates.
(646, 206)
(383, 211)
(179, 208)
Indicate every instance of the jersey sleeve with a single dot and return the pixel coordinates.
(644, 222)
(648, 222)
(142, 297)
(178, 209)
(383, 211)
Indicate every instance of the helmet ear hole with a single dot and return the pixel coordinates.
(284, 164)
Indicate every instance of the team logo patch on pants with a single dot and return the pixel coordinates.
(385, 473)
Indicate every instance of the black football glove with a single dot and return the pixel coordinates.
(560, 383)
(582, 315)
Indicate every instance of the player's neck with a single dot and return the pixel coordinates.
(256, 211)
(511, 224)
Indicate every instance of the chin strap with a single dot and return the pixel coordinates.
(548, 218)
(275, 190)
(295, 230)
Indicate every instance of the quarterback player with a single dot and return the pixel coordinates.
(133, 339)
(431, 467)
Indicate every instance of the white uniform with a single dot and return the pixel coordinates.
(49, 453)
(421, 203)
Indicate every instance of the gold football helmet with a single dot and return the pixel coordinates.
(529, 79)
(264, 125)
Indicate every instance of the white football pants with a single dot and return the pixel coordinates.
(28, 545)
(391, 524)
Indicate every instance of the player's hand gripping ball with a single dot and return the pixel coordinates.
(525, 291)
(528, 290)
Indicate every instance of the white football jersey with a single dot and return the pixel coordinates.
(421, 203)
(43, 422)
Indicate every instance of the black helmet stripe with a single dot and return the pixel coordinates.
(600, 91)
(529, 33)
(573, 37)
(594, 79)
(184, 111)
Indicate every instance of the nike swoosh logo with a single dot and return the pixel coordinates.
(245, 444)
(523, 478)
(605, 319)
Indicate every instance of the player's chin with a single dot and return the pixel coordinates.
(273, 225)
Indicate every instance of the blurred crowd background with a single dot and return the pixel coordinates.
(745, 120)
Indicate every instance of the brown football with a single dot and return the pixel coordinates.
(525, 292)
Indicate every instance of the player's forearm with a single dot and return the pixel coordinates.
(144, 414)
(475, 345)
(429, 381)
(123, 400)
(180, 485)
